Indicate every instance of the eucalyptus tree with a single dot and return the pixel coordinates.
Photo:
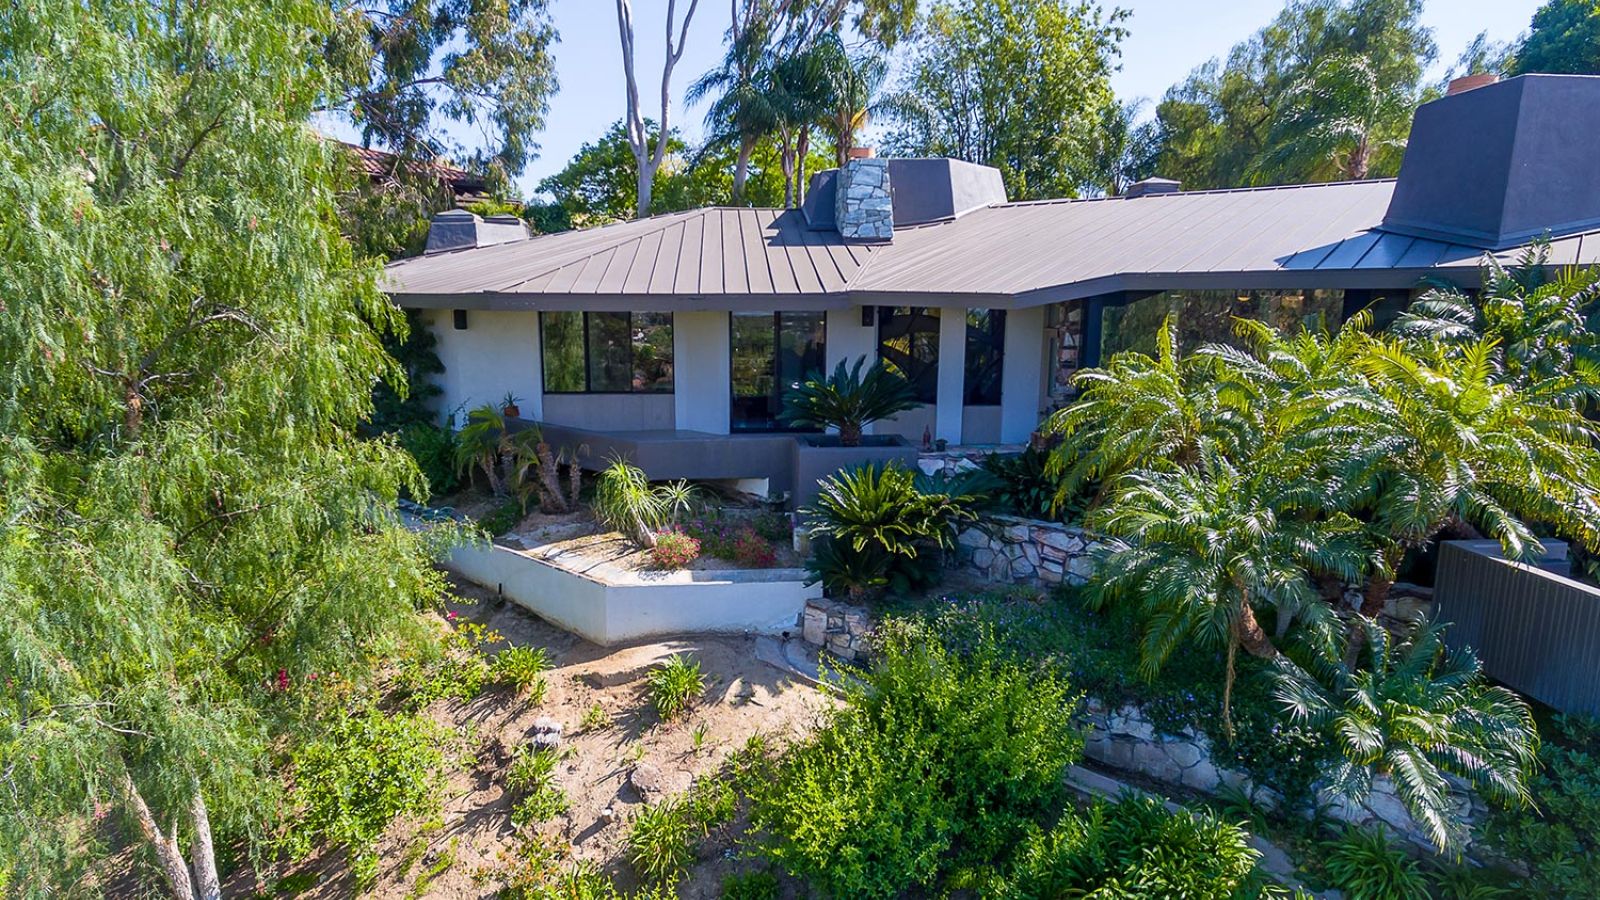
(1417, 713)
(649, 153)
(189, 529)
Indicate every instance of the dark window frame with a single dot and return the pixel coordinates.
(777, 427)
(995, 339)
(588, 381)
(886, 315)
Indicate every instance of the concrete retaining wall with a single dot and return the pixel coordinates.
(761, 601)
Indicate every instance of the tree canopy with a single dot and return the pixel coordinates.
(1324, 92)
(1564, 39)
(189, 531)
(1020, 85)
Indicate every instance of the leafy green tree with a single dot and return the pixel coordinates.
(1564, 39)
(1123, 150)
(599, 185)
(415, 66)
(1216, 127)
(1340, 122)
(1417, 713)
(1020, 85)
(188, 528)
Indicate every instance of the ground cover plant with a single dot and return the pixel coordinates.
(675, 685)
(1558, 838)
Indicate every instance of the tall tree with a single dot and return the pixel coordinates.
(414, 67)
(1016, 84)
(648, 154)
(188, 528)
(1564, 39)
(1219, 127)
(1123, 150)
(1338, 122)
(741, 113)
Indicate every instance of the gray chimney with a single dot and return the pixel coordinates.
(863, 204)
(1152, 186)
(460, 229)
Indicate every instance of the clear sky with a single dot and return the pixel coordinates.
(1167, 39)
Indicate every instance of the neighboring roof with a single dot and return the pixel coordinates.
(1013, 254)
(744, 256)
(381, 164)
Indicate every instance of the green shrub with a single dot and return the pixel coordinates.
(1134, 847)
(661, 840)
(537, 873)
(1559, 840)
(524, 668)
(935, 762)
(751, 886)
(434, 449)
(1366, 866)
(532, 779)
(349, 783)
(455, 669)
(675, 685)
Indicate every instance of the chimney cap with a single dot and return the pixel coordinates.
(1147, 186)
(1470, 82)
(862, 153)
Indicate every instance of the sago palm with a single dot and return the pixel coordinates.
(1199, 553)
(1139, 411)
(479, 444)
(848, 399)
(1416, 713)
(1544, 327)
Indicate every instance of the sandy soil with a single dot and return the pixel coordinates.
(743, 697)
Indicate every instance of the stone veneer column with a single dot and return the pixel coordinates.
(863, 203)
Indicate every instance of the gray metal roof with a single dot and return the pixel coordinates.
(1013, 254)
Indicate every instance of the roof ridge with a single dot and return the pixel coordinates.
(1233, 190)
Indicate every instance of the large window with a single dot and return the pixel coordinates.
(908, 338)
(1206, 317)
(606, 352)
(771, 354)
(986, 347)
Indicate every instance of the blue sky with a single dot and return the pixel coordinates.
(1167, 38)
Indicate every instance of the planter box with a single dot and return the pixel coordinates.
(640, 605)
(818, 456)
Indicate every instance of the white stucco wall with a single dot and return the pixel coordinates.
(701, 371)
(498, 352)
(1022, 378)
(952, 374)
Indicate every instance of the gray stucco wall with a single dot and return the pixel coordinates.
(610, 412)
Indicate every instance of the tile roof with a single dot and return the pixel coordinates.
(1012, 254)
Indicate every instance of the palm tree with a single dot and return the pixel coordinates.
(1341, 115)
(856, 80)
(1123, 151)
(848, 400)
(1545, 327)
(1158, 412)
(479, 444)
(1199, 551)
(1416, 713)
(742, 111)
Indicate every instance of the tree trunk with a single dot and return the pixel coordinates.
(741, 169)
(549, 480)
(1374, 597)
(646, 184)
(1251, 636)
(202, 855)
(168, 854)
(786, 161)
(802, 147)
(849, 435)
(1227, 688)
(574, 481)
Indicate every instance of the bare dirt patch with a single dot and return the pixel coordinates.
(744, 697)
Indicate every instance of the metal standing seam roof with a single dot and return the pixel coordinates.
(1012, 254)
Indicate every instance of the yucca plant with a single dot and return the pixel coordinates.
(625, 499)
(848, 400)
(1416, 713)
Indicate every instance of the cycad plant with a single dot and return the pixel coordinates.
(479, 444)
(1416, 712)
(848, 399)
(1201, 553)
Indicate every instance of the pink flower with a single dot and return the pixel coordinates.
(282, 682)
(450, 614)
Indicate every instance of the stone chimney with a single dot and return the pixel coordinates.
(461, 229)
(1469, 82)
(863, 205)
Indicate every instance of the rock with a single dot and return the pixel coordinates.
(930, 466)
(1021, 570)
(647, 781)
(972, 537)
(983, 559)
(814, 628)
(1056, 540)
(1184, 753)
(1031, 554)
(546, 733)
(1015, 534)
(855, 623)
(1202, 776)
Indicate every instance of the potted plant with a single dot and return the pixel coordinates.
(508, 406)
(848, 400)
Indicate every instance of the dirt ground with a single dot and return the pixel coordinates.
(743, 697)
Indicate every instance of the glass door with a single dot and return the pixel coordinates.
(772, 353)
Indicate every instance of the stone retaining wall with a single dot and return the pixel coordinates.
(1125, 739)
(839, 628)
(1014, 550)
(955, 460)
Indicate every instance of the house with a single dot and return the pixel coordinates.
(385, 168)
(672, 339)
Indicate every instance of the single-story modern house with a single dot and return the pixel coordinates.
(672, 339)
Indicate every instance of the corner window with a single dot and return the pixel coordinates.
(908, 338)
(772, 353)
(986, 345)
(606, 352)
